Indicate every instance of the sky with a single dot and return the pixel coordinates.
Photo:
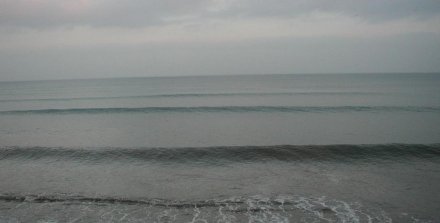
(69, 39)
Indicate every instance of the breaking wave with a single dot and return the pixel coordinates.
(281, 208)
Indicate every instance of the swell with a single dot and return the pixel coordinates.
(224, 155)
(234, 109)
(183, 95)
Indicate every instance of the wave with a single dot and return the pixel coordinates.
(48, 198)
(225, 155)
(42, 198)
(182, 95)
(234, 109)
(280, 208)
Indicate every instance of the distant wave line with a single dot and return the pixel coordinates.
(179, 95)
(226, 154)
(233, 109)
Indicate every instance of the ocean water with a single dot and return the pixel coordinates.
(269, 148)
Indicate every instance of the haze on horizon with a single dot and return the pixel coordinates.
(54, 39)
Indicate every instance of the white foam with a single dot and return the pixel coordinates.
(252, 209)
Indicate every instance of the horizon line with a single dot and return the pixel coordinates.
(218, 75)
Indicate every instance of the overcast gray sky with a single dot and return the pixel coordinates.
(65, 39)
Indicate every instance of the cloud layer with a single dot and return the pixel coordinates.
(129, 13)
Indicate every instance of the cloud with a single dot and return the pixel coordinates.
(372, 10)
(141, 13)
(215, 31)
(127, 13)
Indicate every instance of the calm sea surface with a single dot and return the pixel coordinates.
(272, 148)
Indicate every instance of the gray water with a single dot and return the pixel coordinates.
(272, 148)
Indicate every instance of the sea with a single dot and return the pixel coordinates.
(246, 148)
